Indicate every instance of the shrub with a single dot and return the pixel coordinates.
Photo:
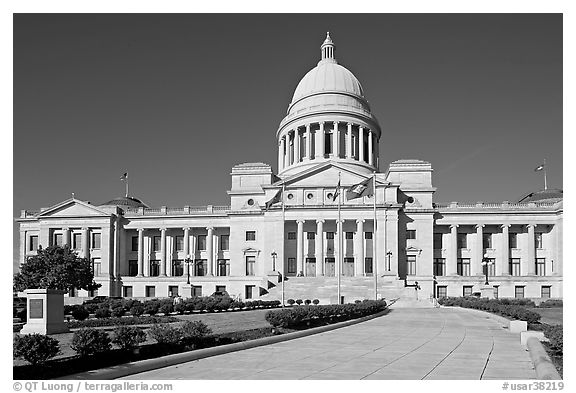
(166, 308)
(551, 303)
(22, 314)
(194, 331)
(298, 301)
(117, 309)
(80, 313)
(35, 348)
(180, 308)
(91, 307)
(307, 302)
(165, 334)
(137, 309)
(103, 312)
(90, 341)
(142, 320)
(509, 307)
(316, 301)
(151, 307)
(290, 301)
(555, 334)
(128, 337)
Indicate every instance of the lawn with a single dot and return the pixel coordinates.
(550, 316)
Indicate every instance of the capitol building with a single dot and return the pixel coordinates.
(330, 218)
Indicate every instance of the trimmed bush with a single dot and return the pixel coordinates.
(151, 307)
(507, 307)
(142, 320)
(298, 301)
(35, 348)
(555, 334)
(166, 308)
(291, 302)
(117, 309)
(103, 312)
(315, 301)
(194, 331)
(307, 302)
(137, 309)
(80, 313)
(128, 337)
(90, 341)
(165, 334)
(180, 308)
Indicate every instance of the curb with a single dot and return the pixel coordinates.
(544, 367)
(505, 322)
(126, 369)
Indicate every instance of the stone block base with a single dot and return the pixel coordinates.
(518, 326)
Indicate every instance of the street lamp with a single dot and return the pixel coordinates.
(486, 262)
(188, 262)
(389, 255)
(274, 255)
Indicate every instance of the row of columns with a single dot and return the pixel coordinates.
(85, 244)
(288, 156)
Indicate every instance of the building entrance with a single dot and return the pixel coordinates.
(310, 267)
(330, 267)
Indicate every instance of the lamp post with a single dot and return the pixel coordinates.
(188, 262)
(274, 255)
(389, 255)
(486, 262)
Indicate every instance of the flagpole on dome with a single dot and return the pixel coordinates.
(339, 228)
(545, 183)
(283, 236)
(374, 241)
(124, 178)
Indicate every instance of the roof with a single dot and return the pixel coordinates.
(125, 201)
(549, 195)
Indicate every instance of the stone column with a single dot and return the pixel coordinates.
(502, 266)
(349, 141)
(451, 263)
(85, 243)
(296, 146)
(377, 154)
(140, 252)
(308, 142)
(370, 153)
(361, 143)
(336, 141)
(210, 250)
(163, 252)
(476, 268)
(281, 154)
(529, 267)
(359, 248)
(186, 241)
(300, 247)
(320, 141)
(339, 247)
(319, 252)
(65, 236)
(286, 143)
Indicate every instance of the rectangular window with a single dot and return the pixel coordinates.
(224, 242)
(179, 243)
(310, 235)
(96, 266)
(58, 239)
(487, 240)
(411, 234)
(368, 235)
(197, 290)
(411, 265)
(328, 143)
(96, 237)
(200, 266)
(519, 292)
(437, 241)
(495, 291)
(540, 266)
(33, 243)
(538, 240)
(157, 243)
(463, 266)
(291, 266)
(177, 267)
(73, 292)
(223, 267)
(250, 236)
(441, 291)
(462, 243)
(150, 291)
(249, 291)
(154, 268)
(134, 243)
(172, 290)
(329, 235)
(467, 290)
(127, 291)
(250, 265)
(201, 242)
(291, 235)
(349, 235)
(515, 267)
(545, 291)
(513, 240)
(77, 241)
(368, 269)
(132, 268)
(439, 266)
(220, 288)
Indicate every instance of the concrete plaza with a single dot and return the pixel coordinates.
(406, 344)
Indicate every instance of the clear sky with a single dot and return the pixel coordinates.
(176, 100)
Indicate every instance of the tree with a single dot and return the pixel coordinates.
(55, 267)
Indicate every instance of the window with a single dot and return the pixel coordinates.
(177, 267)
(310, 235)
(514, 266)
(437, 241)
(58, 239)
(154, 268)
(224, 242)
(545, 291)
(462, 243)
(250, 262)
(93, 292)
(439, 266)
(200, 266)
(127, 291)
(540, 266)
(495, 291)
(328, 143)
(349, 235)
(96, 266)
(330, 266)
(201, 242)
(367, 235)
(491, 267)
(368, 269)
(410, 234)
(157, 243)
(134, 243)
(172, 290)
(519, 292)
(73, 292)
(487, 240)
(150, 291)
(220, 288)
(329, 235)
(463, 266)
(291, 266)
(96, 237)
(197, 290)
(223, 267)
(291, 235)
(467, 290)
(179, 243)
(411, 265)
(33, 243)
(353, 147)
(77, 241)
(441, 291)
(250, 236)
(538, 240)
(132, 268)
(513, 240)
(249, 291)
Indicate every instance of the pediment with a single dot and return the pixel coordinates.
(73, 208)
(325, 175)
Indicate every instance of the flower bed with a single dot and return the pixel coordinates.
(513, 308)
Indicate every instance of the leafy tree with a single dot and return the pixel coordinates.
(55, 267)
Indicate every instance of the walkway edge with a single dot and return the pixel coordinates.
(545, 369)
(500, 319)
(126, 369)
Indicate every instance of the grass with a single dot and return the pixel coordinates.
(550, 316)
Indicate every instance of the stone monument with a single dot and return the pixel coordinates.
(45, 311)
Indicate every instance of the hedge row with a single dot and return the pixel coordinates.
(555, 334)
(304, 315)
(117, 321)
(497, 306)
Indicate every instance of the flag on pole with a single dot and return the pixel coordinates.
(275, 199)
(365, 188)
(337, 192)
(539, 168)
(124, 176)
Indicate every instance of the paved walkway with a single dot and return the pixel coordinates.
(405, 344)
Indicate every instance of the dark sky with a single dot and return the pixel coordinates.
(177, 99)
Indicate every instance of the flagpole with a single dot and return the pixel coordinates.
(374, 243)
(283, 237)
(339, 228)
(545, 183)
